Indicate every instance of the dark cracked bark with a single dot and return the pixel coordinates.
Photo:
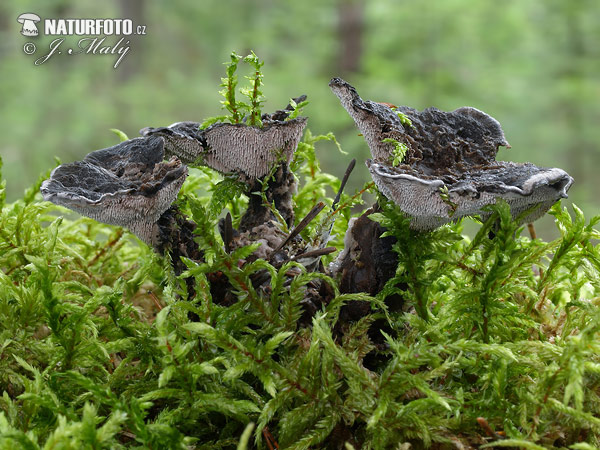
(367, 263)
(280, 189)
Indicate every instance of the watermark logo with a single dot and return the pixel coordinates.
(102, 36)
(29, 21)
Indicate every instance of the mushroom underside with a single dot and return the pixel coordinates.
(249, 150)
(522, 186)
(232, 148)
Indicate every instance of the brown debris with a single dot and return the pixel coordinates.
(366, 264)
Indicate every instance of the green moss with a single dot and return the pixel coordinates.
(399, 150)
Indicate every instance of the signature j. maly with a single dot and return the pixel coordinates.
(88, 46)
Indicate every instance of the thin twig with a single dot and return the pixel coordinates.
(301, 226)
(483, 423)
(228, 233)
(269, 439)
(536, 417)
(532, 232)
(349, 170)
(155, 299)
(108, 245)
(314, 253)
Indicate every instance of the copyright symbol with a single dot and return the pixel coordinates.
(29, 48)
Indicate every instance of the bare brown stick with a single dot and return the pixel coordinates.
(269, 439)
(109, 245)
(483, 423)
(301, 226)
(536, 416)
(155, 299)
(532, 232)
(228, 233)
(315, 253)
(343, 184)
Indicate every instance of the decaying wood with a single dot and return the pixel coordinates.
(366, 264)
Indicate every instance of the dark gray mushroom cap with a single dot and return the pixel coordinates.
(233, 148)
(465, 134)
(128, 185)
(453, 151)
(182, 139)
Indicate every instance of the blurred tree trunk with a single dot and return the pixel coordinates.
(5, 22)
(134, 10)
(351, 25)
(572, 103)
(429, 41)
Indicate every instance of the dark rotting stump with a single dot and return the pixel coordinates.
(176, 238)
(281, 186)
(366, 264)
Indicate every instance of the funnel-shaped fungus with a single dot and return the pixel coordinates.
(29, 20)
(128, 185)
(234, 148)
(182, 139)
(252, 153)
(249, 150)
(450, 168)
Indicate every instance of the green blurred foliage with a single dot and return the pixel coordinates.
(534, 65)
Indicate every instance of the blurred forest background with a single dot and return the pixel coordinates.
(532, 64)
